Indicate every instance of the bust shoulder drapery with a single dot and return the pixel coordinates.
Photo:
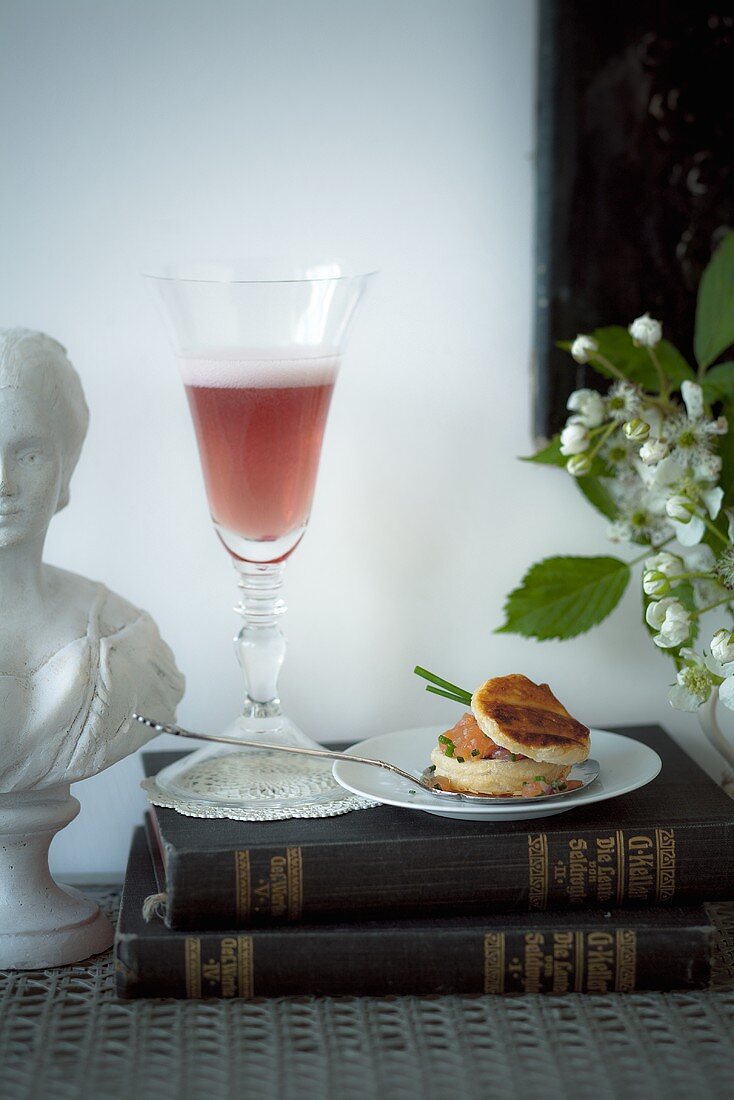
(71, 716)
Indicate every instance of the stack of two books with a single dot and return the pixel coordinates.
(604, 898)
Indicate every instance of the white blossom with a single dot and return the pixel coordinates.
(654, 451)
(693, 683)
(645, 331)
(722, 646)
(574, 439)
(671, 621)
(588, 405)
(624, 401)
(583, 347)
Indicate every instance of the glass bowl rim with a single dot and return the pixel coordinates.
(204, 271)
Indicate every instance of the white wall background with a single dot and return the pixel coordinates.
(401, 130)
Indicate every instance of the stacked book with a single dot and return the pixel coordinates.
(605, 898)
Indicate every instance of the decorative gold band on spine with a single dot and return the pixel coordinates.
(626, 972)
(295, 883)
(243, 895)
(192, 958)
(245, 965)
(537, 870)
(494, 962)
(665, 864)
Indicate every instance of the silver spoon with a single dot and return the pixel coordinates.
(424, 781)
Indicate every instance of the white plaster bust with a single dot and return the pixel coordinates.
(75, 659)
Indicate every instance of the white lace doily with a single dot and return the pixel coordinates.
(253, 787)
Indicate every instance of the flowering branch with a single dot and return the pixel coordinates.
(647, 454)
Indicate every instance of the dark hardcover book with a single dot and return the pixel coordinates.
(670, 842)
(618, 951)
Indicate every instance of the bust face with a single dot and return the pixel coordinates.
(30, 466)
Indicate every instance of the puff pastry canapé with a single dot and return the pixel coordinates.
(518, 740)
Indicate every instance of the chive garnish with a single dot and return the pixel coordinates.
(475, 752)
(513, 756)
(449, 750)
(411, 792)
(447, 695)
(539, 778)
(460, 759)
(444, 739)
(450, 691)
(432, 767)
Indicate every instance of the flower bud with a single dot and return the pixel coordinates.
(654, 451)
(722, 646)
(637, 430)
(579, 465)
(655, 583)
(645, 331)
(583, 347)
(670, 618)
(589, 406)
(680, 507)
(670, 565)
(574, 439)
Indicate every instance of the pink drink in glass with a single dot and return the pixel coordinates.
(259, 424)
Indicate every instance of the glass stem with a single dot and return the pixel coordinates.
(260, 645)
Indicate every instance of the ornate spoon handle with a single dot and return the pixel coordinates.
(177, 731)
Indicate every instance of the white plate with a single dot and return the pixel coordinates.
(625, 766)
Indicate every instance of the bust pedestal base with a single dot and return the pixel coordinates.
(42, 923)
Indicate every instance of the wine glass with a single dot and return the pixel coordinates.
(259, 347)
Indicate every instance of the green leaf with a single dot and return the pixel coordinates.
(597, 494)
(615, 344)
(549, 455)
(714, 331)
(564, 596)
(718, 383)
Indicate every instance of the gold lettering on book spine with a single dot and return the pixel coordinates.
(494, 962)
(243, 894)
(537, 871)
(245, 963)
(192, 960)
(620, 866)
(665, 850)
(295, 883)
(626, 975)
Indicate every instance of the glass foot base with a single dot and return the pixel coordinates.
(252, 784)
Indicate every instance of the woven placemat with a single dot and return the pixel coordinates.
(63, 1034)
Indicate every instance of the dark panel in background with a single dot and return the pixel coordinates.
(635, 172)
